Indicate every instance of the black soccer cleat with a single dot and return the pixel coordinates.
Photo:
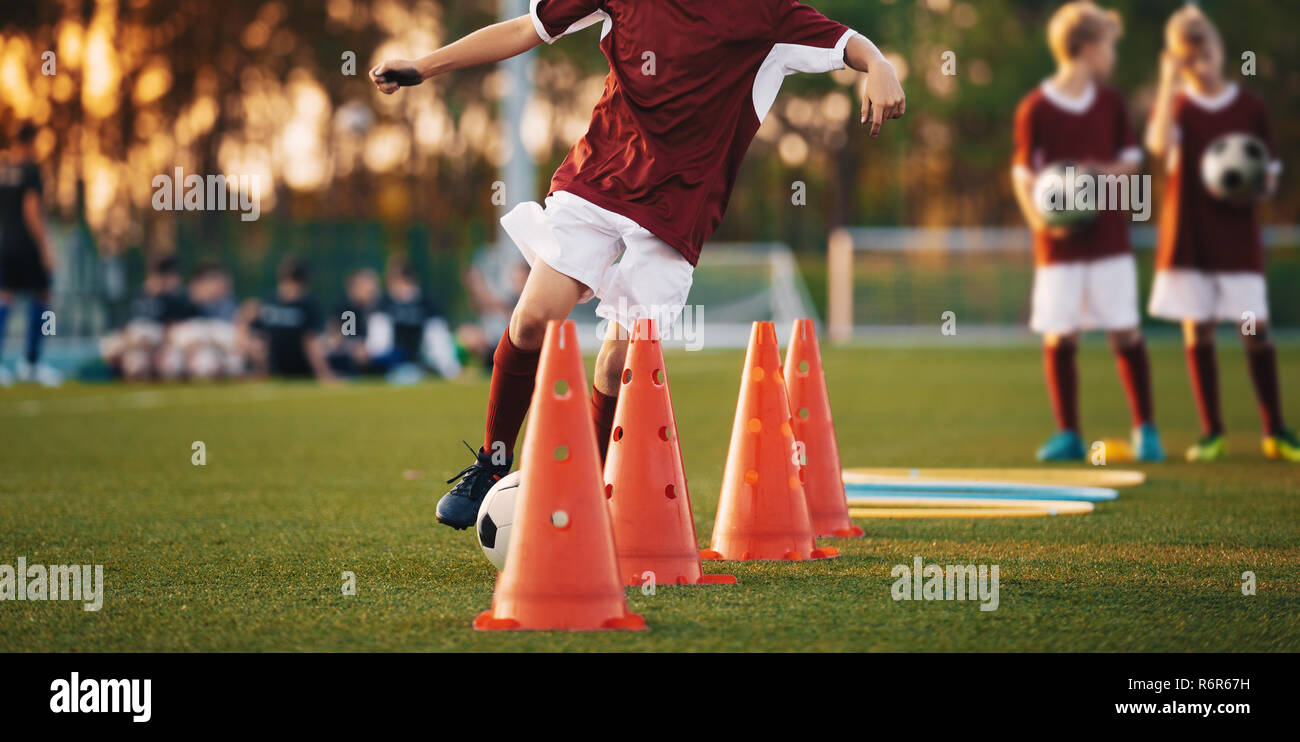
(459, 507)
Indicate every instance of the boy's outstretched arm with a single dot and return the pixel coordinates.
(1160, 127)
(485, 46)
(884, 97)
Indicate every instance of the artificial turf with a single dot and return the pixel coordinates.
(303, 483)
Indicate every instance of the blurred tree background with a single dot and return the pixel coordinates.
(259, 87)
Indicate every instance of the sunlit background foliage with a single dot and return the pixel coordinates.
(257, 87)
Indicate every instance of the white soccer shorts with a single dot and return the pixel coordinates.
(1185, 294)
(633, 273)
(1085, 295)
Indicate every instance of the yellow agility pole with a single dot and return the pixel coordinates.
(1092, 477)
(926, 508)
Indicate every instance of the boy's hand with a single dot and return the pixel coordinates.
(1170, 67)
(395, 73)
(883, 97)
(1038, 224)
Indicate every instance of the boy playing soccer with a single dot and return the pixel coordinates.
(650, 179)
(1210, 259)
(1085, 278)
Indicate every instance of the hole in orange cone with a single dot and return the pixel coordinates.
(803, 413)
(627, 376)
(756, 373)
(670, 491)
(751, 477)
(561, 389)
(803, 367)
(754, 425)
(560, 519)
(657, 377)
(561, 453)
(665, 434)
(618, 433)
(609, 491)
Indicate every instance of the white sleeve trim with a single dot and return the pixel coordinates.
(837, 53)
(537, 22)
(578, 25)
(787, 59)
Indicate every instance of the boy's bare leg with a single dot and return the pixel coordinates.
(606, 383)
(547, 295)
(611, 360)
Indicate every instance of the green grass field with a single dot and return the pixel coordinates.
(303, 483)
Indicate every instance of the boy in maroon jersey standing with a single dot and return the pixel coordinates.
(1210, 258)
(1084, 278)
(690, 82)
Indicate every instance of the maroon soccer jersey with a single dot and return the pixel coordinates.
(1050, 129)
(689, 83)
(1197, 230)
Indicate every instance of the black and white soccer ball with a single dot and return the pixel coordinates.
(1059, 194)
(495, 516)
(1235, 167)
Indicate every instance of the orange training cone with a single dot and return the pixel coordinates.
(560, 571)
(763, 512)
(810, 408)
(654, 529)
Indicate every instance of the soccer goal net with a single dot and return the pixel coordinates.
(884, 282)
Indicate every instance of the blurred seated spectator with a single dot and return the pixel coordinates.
(207, 346)
(211, 292)
(348, 335)
(139, 351)
(287, 326)
(409, 332)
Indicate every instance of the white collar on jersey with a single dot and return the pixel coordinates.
(1073, 105)
(1216, 102)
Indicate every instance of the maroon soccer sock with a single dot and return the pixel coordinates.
(514, 373)
(1203, 370)
(602, 416)
(1135, 373)
(1059, 365)
(1262, 362)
